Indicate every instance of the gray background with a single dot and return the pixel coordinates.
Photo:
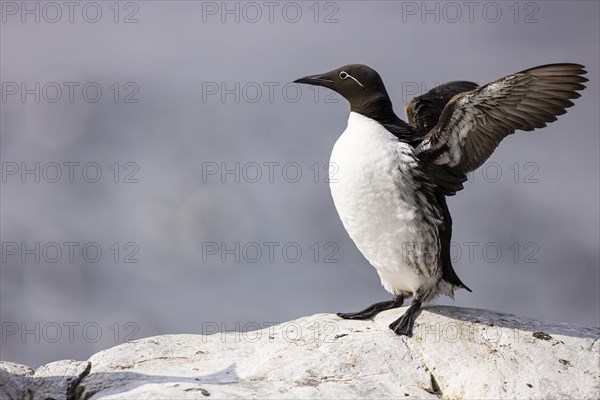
(170, 54)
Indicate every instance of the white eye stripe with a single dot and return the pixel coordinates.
(344, 75)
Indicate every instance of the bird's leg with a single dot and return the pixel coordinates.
(374, 309)
(404, 324)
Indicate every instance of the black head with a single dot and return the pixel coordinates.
(359, 84)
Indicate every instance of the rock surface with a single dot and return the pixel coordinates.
(51, 381)
(455, 353)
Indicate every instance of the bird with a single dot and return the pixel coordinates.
(393, 177)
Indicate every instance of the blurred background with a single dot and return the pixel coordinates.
(161, 174)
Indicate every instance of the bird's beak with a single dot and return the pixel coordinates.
(316, 80)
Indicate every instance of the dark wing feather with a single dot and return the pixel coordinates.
(445, 234)
(446, 180)
(423, 112)
(474, 123)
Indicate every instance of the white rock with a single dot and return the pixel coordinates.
(455, 353)
(56, 380)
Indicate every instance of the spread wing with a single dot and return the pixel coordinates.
(423, 112)
(474, 123)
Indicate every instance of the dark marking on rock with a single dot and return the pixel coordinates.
(530, 385)
(74, 390)
(340, 335)
(542, 336)
(201, 390)
(564, 362)
(435, 388)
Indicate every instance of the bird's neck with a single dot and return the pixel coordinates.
(379, 108)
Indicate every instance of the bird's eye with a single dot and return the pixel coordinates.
(343, 75)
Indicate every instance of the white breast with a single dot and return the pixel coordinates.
(375, 194)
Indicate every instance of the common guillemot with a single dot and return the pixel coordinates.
(393, 177)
